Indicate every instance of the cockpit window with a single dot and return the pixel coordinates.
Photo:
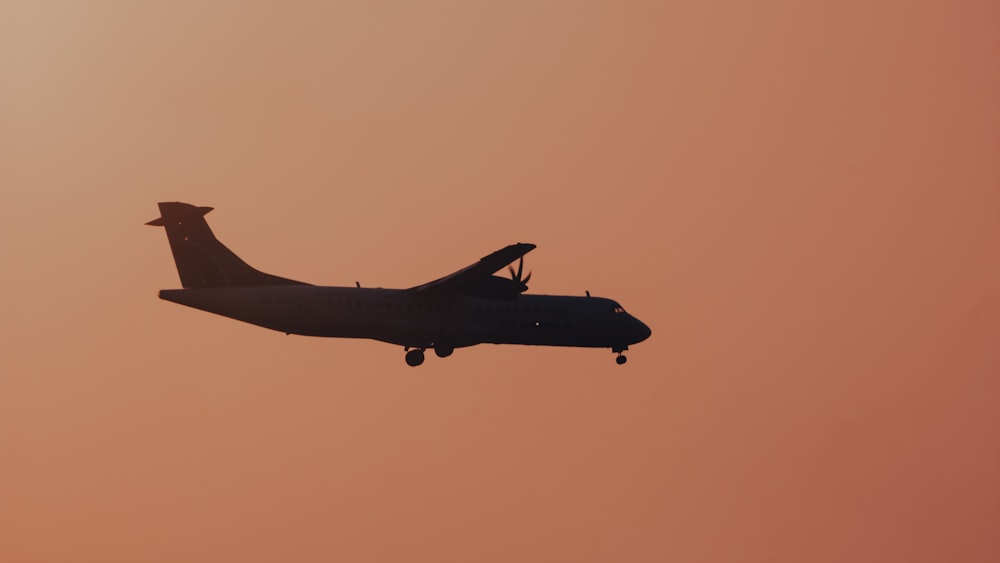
(619, 310)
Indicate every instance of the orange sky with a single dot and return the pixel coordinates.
(801, 201)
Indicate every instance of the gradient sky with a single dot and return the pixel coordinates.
(801, 200)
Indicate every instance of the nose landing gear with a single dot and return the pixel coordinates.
(621, 359)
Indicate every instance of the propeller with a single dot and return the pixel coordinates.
(516, 275)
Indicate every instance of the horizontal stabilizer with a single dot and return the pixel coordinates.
(159, 221)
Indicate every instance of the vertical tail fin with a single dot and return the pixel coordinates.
(203, 261)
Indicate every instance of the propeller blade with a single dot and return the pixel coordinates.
(515, 275)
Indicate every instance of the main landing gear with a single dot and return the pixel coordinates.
(415, 357)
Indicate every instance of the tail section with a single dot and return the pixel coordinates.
(203, 261)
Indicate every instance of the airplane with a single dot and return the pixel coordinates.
(468, 307)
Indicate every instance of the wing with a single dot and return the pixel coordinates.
(478, 278)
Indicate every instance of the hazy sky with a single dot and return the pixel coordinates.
(802, 200)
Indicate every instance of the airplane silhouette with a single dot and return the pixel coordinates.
(471, 306)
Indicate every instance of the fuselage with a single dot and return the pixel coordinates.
(410, 319)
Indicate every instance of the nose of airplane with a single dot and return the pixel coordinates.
(640, 331)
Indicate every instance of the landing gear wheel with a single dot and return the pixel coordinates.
(621, 359)
(414, 357)
(443, 351)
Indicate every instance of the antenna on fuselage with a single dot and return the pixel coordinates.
(357, 284)
(587, 291)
